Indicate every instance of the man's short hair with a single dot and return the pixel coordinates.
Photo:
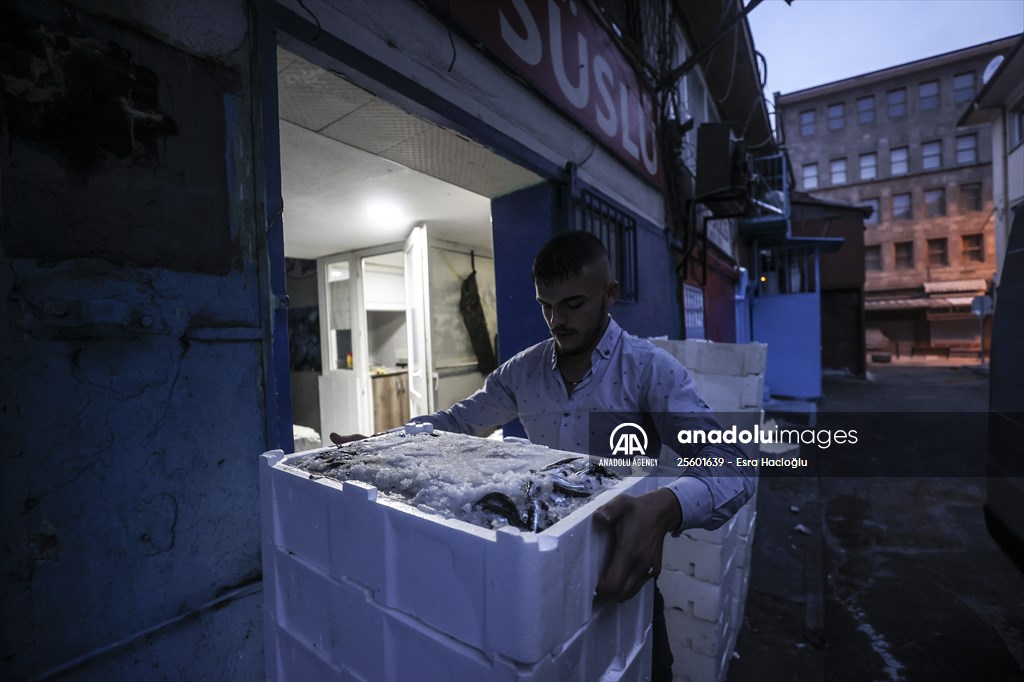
(565, 256)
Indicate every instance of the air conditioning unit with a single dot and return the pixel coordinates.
(721, 168)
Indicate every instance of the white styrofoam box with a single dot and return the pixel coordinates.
(725, 393)
(732, 359)
(695, 667)
(638, 667)
(706, 561)
(702, 599)
(729, 376)
(350, 632)
(718, 535)
(688, 633)
(519, 595)
(746, 515)
(745, 550)
(288, 659)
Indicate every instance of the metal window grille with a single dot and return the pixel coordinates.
(617, 231)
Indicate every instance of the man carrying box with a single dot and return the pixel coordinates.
(592, 365)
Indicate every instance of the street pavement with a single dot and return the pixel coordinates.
(898, 578)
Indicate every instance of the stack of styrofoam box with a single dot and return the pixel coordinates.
(705, 574)
(361, 587)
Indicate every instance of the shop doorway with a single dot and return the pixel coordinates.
(385, 215)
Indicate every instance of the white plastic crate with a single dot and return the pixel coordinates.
(352, 634)
(703, 560)
(503, 595)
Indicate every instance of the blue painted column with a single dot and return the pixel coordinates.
(521, 222)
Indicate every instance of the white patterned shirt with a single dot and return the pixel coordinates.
(627, 375)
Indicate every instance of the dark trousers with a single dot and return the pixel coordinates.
(661, 664)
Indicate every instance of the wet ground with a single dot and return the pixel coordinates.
(899, 578)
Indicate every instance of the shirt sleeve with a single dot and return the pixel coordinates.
(708, 495)
(491, 406)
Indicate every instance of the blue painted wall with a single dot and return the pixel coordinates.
(791, 326)
(522, 222)
(133, 332)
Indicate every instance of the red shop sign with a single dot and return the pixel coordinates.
(559, 48)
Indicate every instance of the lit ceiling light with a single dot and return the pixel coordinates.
(385, 213)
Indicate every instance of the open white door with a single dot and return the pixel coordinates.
(344, 383)
(417, 299)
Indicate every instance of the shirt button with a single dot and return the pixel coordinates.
(565, 414)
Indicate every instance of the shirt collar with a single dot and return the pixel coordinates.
(604, 347)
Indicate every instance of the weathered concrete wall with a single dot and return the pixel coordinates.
(131, 341)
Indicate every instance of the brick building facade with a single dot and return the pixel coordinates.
(889, 140)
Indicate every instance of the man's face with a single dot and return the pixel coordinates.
(576, 310)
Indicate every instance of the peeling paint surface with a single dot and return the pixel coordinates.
(103, 151)
(131, 343)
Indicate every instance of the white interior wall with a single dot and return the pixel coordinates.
(454, 360)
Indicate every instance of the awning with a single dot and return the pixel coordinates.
(956, 286)
(918, 303)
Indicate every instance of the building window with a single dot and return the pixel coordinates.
(937, 253)
(904, 254)
(866, 109)
(897, 101)
(873, 258)
(974, 247)
(901, 208)
(807, 122)
(836, 116)
(935, 202)
(970, 197)
(810, 176)
(898, 161)
(868, 166)
(875, 207)
(967, 148)
(963, 87)
(928, 96)
(1015, 126)
(617, 231)
(837, 169)
(931, 155)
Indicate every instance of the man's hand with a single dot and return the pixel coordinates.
(639, 525)
(341, 440)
